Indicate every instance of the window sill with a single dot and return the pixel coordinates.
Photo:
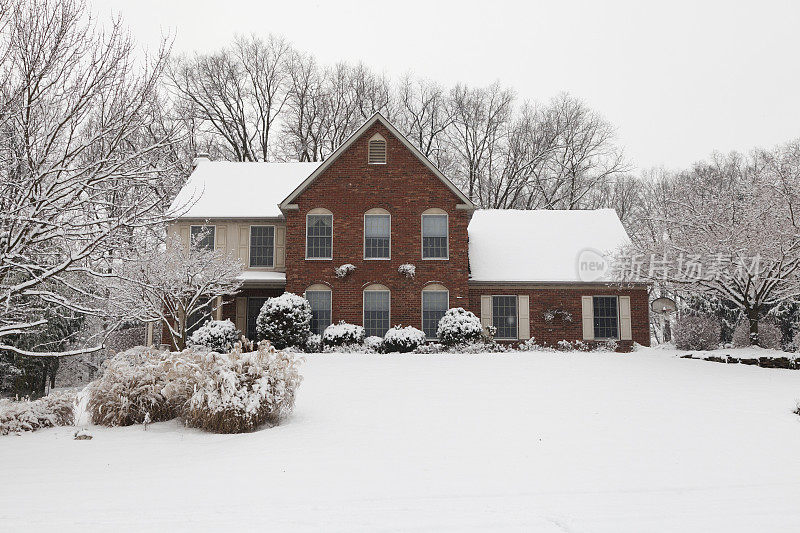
(319, 258)
(435, 259)
(377, 259)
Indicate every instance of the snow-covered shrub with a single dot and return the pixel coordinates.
(216, 335)
(131, 387)
(314, 344)
(696, 333)
(343, 270)
(430, 348)
(459, 326)
(403, 339)
(552, 314)
(55, 409)
(343, 334)
(240, 392)
(530, 345)
(373, 344)
(285, 321)
(769, 335)
(609, 345)
(407, 269)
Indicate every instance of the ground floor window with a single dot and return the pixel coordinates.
(434, 306)
(254, 306)
(376, 312)
(606, 317)
(320, 301)
(504, 316)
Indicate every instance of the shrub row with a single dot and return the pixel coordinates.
(56, 409)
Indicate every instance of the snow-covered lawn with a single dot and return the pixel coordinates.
(578, 442)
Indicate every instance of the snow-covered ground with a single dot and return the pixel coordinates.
(524, 442)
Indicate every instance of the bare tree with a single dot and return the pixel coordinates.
(77, 171)
(424, 113)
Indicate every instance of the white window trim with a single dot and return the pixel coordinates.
(213, 244)
(516, 306)
(430, 288)
(422, 237)
(616, 297)
(306, 238)
(379, 137)
(364, 305)
(250, 245)
(364, 241)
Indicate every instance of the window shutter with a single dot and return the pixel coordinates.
(587, 306)
(625, 331)
(244, 244)
(241, 314)
(280, 246)
(221, 239)
(184, 235)
(486, 311)
(523, 317)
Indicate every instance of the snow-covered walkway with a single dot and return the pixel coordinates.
(524, 442)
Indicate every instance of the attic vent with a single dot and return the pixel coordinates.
(377, 150)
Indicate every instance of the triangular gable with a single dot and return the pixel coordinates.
(287, 202)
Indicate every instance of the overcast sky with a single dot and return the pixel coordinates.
(677, 79)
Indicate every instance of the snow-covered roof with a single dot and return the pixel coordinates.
(541, 245)
(255, 276)
(226, 189)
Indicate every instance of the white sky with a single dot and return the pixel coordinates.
(678, 79)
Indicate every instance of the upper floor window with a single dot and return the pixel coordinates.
(377, 234)
(377, 313)
(262, 246)
(606, 317)
(202, 237)
(377, 150)
(319, 297)
(435, 302)
(319, 234)
(434, 234)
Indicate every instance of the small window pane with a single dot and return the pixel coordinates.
(504, 316)
(376, 313)
(262, 246)
(254, 306)
(377, 230)
(606, 318)
(434, 306)
(202, 237)
(320, 310)
(319, 237)
(434, 236)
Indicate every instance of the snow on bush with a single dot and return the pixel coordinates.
(285, 321)
(343, 270)
(216, 335)
(769, 335)
(403, 339)
(241, 392)
(55, 409)
(530, 345)
(130, 389)
(314, 344)
(696, 333)
(342, 334)
(373, 344)
(407, 269)
(459, 326)
(552, 314)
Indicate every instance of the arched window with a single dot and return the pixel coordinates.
(377, 234)
(377, 150)
(319, 234)
(320, 298)
(435, 234)
(435, 303)
(377, 310)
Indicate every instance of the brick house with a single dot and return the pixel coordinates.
(378, 203)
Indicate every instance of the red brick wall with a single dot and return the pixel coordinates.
(568, 299)
(404, 187)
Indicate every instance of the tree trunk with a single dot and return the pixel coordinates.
(752, 317)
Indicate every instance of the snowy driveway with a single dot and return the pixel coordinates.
(525, 442)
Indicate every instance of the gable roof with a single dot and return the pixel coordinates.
(508, 245)
(377, 117)
(234, 189)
